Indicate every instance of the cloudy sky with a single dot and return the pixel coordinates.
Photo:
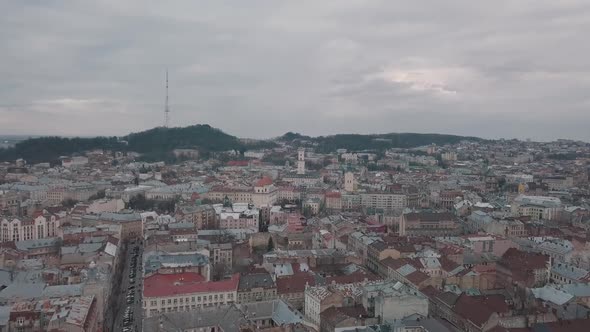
(260, 68)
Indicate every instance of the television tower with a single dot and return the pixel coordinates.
(166, 107)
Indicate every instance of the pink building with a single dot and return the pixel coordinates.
(490, 244)
(295, 223)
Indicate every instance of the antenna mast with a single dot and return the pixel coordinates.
(166, 107)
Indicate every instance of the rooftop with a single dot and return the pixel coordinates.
(258, 280)
(166, 285)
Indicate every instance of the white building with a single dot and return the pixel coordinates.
(238, 216)
(265, 193)
(536, 207)
(106, 205)
(301, 161)
(349, 183)
(43, 226)
(74, 161)
(392, 300)
(186, 292)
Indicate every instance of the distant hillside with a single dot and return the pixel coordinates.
(378, 142)
(291, 136)
(157, 143)
(48, 149)
(154, 144)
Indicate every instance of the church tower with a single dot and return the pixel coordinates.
(301, 161)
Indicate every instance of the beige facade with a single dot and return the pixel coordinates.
(28, 229)
(384, 201)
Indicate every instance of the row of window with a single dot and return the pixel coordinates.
(193, 299)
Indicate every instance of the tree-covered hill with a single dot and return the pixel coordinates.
(157, 143)
(202, 137)
(378, 142)
(154, 144)
(48, 149)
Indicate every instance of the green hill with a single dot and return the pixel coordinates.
(157, 143)
(154, 144)
(48, 149)
(376, 142)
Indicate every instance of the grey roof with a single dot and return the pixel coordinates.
(578, 290)
(21, 291)
(95, 239)
(76, 230)
(429, 324)
(569, 271)
(89, 247)
(552, 294)
(156, 260)
(277, 310)
(119, 217)
(5, 314)
(181, 225)
(34, 244)
(258, 280)
(65, 250)
(5, 278)
(229, 318)
(63, 291)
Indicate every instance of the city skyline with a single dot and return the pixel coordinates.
(507, 70)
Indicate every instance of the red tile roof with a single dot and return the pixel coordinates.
(162, 285)
(574, 325)
(237, 163)
(334, 194)
(515, 259)
(265, 181)
(417, 277)
(479, 309)
(295, 283)
(357, 276)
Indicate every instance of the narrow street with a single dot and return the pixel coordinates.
(129, 315)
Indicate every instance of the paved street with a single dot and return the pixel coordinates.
(136, 307)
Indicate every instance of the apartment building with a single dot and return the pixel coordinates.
(238, 216)
(40, 227)
(164, 293)
(536, 207)
(384, 201)
(430, 224)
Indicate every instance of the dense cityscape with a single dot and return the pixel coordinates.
(296, 234)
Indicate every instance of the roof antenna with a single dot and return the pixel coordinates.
(166, 106)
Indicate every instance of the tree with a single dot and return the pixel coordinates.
(219, 271)
(271, 246)
(166, 206)
(307, 211)
(69, 203)
(99, 195)
(139, 202)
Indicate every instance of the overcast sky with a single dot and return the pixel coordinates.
(261, 68)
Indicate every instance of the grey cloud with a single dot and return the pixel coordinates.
(261, 68)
